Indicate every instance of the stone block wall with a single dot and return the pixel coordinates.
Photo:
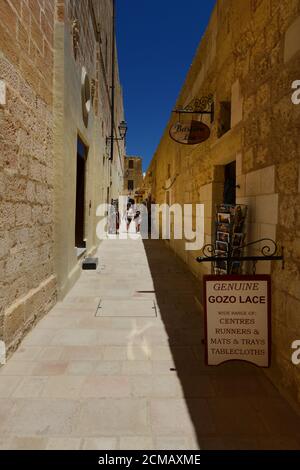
(257, 191)
(41, 118)
(83, 43)
(27, 284)
(249, 56)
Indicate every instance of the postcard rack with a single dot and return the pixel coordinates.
(227, 252)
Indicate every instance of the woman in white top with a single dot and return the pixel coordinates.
(130, 214)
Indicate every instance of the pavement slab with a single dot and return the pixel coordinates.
(128, 377)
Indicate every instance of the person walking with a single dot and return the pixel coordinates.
(130, 214)
(138, 220)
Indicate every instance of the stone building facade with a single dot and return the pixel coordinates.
(83, 49)
(55, 168)
(247, 60)
(133, 175)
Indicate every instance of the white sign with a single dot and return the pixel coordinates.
(237, 316)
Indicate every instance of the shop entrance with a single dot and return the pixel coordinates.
(229, 195)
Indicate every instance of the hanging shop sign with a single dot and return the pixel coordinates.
(86, 98)
(189, 132)
(238, 319)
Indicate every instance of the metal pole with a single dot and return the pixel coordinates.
(113, 81)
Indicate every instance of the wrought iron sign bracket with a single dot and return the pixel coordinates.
(203, 106)
(269, 252)
(171, 184)
(115, 139)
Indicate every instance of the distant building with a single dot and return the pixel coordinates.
(133, 175)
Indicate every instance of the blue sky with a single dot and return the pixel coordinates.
(157, 40)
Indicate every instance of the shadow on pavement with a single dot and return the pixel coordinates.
(233, 406)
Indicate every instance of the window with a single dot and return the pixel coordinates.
(225, 118)
(131, 164)
(130, 185)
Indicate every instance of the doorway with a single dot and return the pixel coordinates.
(229, 195)
(82, 152)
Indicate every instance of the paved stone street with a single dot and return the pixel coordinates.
(119, 365)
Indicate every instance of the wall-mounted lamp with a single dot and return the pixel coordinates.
(122, 131)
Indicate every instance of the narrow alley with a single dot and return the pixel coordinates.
(119, 364)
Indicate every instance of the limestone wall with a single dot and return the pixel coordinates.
(27, 281)
(44, 46)
(91, 51)
(250, 55)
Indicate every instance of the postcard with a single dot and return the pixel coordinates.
(222, 265)
(235, 267)
(220, 253)
(223, 237)
(238, 239)
(223, 228)
(223, 218)
(222, 272)
(221, 246)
